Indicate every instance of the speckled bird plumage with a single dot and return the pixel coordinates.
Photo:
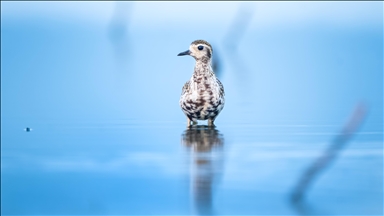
(202, 97)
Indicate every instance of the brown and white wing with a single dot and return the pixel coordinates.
(222, 93)
(185, 88)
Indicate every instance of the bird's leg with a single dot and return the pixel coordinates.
(210, 122)
(188, 122)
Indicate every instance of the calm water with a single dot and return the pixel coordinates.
(135, 167)
(108, 136)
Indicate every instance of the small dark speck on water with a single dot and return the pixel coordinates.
(27, 129)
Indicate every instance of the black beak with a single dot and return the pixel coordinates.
(184, 53)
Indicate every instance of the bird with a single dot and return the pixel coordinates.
(202, 97)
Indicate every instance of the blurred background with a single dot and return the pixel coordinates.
(97, 84)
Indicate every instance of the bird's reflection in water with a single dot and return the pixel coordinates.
(205, 145)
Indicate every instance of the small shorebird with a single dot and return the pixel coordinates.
(202, 97)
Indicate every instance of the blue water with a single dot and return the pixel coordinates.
(108, 135)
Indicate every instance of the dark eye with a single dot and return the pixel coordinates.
(200, 47)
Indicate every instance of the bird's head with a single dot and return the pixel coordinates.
(200, 50)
